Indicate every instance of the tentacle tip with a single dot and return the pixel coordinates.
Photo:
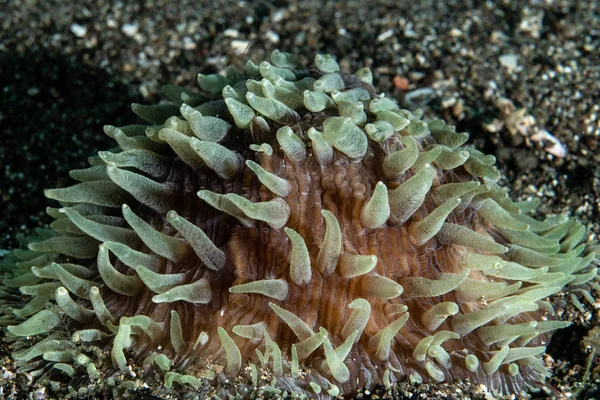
(172, 215)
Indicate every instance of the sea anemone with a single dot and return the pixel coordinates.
(289, 223)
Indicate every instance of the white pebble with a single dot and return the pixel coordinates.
(231, 33)
(509, 61)
(78, 30)
(278, 15)
(188, 43)
(385, 35)
(239, 46)
(556, 149)
(272, 37)
(129, 29)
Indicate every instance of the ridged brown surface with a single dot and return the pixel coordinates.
(261, 252)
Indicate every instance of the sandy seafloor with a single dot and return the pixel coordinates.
(67, 67)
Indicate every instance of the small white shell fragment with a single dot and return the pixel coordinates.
(556, 149)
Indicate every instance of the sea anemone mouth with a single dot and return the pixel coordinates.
(290, 223)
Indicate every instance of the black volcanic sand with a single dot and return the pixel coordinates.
(67, 67)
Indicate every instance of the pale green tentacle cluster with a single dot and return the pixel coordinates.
(502, 263)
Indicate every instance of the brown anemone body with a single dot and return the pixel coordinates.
(272, 219)
(260, 252)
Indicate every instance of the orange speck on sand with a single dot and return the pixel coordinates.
(400, 82)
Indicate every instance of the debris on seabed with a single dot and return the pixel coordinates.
(518, 121)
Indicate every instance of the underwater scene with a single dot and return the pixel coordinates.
(300, 199)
